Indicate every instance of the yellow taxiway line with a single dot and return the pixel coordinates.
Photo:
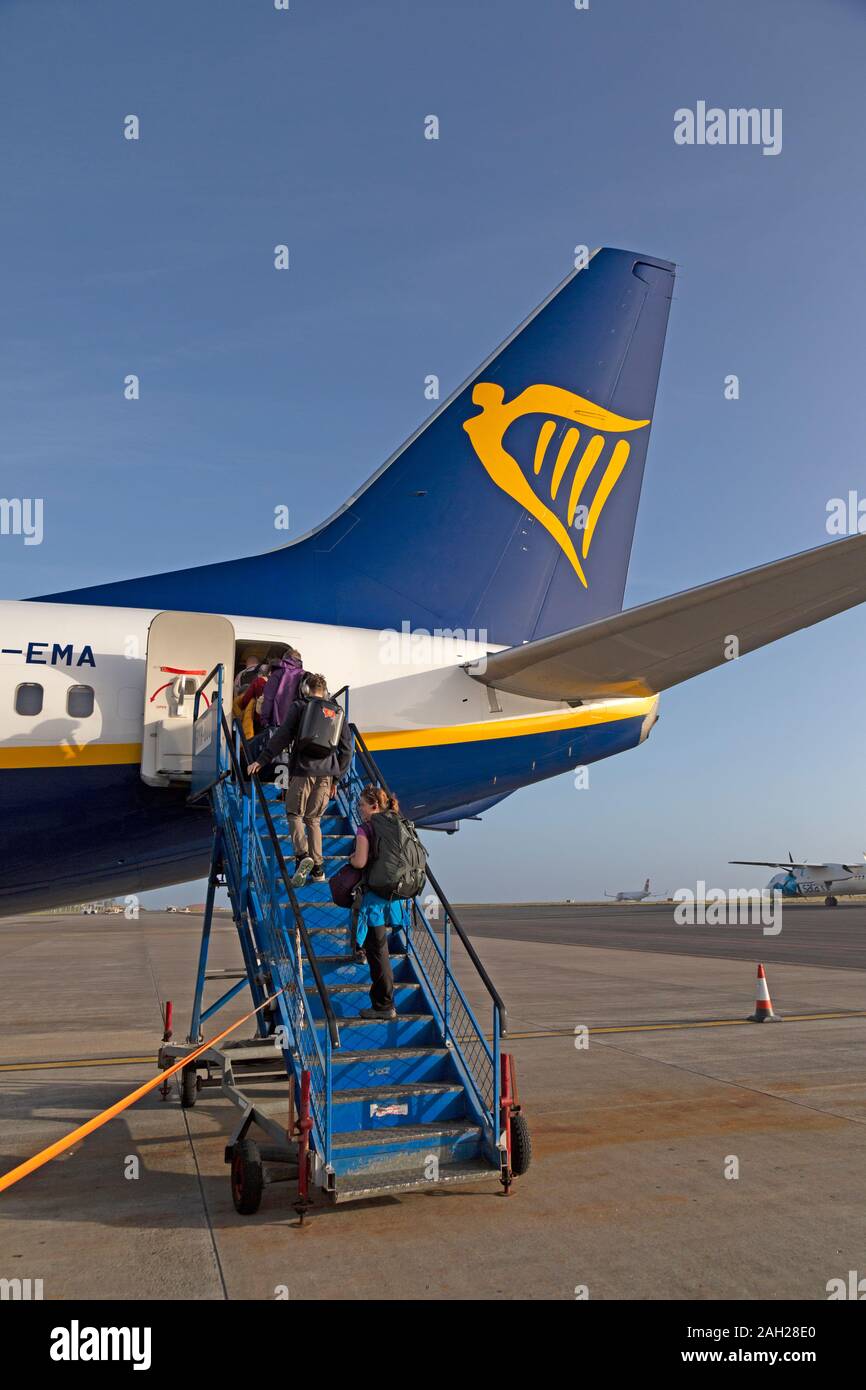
(78, 1062)
(509, 1037)
(670, 1027)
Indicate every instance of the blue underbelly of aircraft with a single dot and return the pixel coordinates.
(97, 831)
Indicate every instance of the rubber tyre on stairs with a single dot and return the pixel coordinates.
(188, 1087)
(521, 1145)
(247, 1177)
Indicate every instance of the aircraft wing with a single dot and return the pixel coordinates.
(772, 863)
(816, 870)
(647, 649)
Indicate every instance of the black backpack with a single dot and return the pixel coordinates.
(320, 728)
(399, 860)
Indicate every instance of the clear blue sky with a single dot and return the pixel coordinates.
(410, 257)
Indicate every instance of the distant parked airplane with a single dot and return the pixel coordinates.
(811, 880)
(631, 895)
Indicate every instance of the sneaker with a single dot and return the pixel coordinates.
(299, 877)
(379, 1013)
(318, 874)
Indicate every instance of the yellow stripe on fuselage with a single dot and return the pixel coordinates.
(585, 716)
(563, 719)
(71, 755)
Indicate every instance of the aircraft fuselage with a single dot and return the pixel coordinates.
(78, 820)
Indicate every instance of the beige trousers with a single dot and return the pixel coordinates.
(306, 800)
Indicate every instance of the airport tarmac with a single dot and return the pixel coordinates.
(632, 1136)
(811, 933)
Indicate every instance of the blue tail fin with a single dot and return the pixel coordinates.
(510, 512)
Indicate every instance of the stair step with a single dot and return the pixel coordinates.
(326, 905)
(407, 1066)
(380, 1054)
(403, 1134)
(358, 987)
(355, 1188)
(410, 1029)
(331, 825)
(374, 1022)
(341, 960)
(402, 1147)
(346, 970)
(395, 1090)
(316, 894)
(335, 941)
(284, 834)
(348, 1000)
(398, 1106)
(286, 840)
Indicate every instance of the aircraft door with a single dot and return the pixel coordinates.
(182, 649)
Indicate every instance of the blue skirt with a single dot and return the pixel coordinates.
(376, 912)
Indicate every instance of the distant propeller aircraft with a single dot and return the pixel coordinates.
(810, 880)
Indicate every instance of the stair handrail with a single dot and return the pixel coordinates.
(255, 884)
(374, 773)
(330, 1016)
(209, 677)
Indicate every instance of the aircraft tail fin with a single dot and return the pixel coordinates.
(508, 515)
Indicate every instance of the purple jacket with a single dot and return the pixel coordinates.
(281, 691)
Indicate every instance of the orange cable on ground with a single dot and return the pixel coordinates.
(61, 1145)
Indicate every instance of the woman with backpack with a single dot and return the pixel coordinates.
(377, 916)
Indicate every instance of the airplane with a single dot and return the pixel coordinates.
(631, 895)
(804, 880)
(469, 594)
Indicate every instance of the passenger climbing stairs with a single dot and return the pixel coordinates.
(345, 1107)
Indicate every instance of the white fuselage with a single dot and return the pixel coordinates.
(72, 782)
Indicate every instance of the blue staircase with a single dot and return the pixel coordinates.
(394, 1104)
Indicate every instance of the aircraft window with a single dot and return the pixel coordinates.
(79, 701)
(28, 698)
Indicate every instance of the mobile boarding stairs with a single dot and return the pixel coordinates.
(343, 1107)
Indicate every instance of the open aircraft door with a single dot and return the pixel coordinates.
(182, 649)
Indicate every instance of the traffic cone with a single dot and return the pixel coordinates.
(763, 1003)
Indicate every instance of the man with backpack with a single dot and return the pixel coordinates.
(321, 751)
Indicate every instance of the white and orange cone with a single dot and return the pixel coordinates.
(763, 1003)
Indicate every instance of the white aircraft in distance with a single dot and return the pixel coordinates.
(811, 880)
(632, 895)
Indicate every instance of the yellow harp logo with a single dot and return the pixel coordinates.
(487, 432)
